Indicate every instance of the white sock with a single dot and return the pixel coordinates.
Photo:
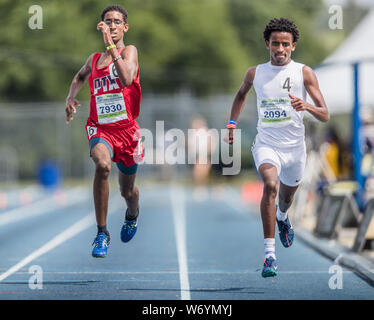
(281, 215)
(269, 244)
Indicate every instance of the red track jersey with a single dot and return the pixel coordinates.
(112, 105)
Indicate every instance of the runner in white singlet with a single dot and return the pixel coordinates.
(279, 152)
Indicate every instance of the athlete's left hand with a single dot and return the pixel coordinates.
(298, 104)
(104, 28)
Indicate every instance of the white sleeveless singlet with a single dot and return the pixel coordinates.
(278, 123)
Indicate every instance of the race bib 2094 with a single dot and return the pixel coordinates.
(275, 111)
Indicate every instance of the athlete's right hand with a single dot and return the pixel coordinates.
(230, 138)
(71, 104)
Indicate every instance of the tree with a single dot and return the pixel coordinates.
(203, 46)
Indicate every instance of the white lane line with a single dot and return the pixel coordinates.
(70, 232)
(67, 234)
(43, 206)
(178, 207)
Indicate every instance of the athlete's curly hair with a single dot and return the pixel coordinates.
(281, 24)
(115, 7)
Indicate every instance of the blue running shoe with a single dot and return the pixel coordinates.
(270, 268)
(286, 233)
(129, 229)
(100, 244)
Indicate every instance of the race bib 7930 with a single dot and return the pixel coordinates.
(110, 108)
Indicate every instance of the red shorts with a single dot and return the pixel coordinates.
(124, 144)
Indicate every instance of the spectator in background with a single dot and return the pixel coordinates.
(202, 144)
(334, 157)
(367, 167)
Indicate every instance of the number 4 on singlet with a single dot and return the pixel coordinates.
(287, 85)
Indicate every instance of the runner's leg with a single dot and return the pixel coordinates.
(269, 176)
(130, 193)
(286, 195)
(101, 156)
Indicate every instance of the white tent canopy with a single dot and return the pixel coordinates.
(336, 79)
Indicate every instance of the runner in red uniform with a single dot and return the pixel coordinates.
(112, 130)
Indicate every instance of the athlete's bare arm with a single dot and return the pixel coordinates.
(127, 67)
(319, 109)
(77, 83)
(240, 99)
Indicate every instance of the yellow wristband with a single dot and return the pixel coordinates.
(111, 47)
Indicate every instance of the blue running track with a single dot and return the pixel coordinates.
(186, 247)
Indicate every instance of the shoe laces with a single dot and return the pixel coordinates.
(285, 226)
(130, 225)
(268, 261)
(100, 240)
